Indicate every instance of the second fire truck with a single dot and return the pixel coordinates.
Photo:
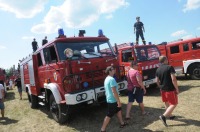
(146, 56)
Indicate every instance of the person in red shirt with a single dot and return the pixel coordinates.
(136, 89)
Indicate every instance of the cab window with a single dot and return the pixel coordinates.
(185, 47)
(174, 49)
(50, 55)
(196, 45)
(127, 56)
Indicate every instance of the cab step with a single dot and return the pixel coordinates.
(41, 103)
(41, 97)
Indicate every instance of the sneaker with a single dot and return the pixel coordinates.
(163, 119)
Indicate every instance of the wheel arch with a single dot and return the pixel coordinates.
(28, 88)
(189, 68)
(54, 89)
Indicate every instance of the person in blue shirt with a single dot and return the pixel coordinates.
(112, 98)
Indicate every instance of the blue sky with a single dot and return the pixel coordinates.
(23, 20)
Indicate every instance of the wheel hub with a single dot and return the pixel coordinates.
(196, 72)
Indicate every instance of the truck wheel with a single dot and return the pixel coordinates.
(195, 72)
(57, 111)
(33, 101)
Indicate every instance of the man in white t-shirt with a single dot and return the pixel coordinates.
(2, 93)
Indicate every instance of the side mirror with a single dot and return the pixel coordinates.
(116, 49)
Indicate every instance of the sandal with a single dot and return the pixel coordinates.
(127, 118)
(123, 125)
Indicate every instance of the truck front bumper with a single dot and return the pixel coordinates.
(91, 95)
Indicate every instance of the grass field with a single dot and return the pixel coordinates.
(21, 118)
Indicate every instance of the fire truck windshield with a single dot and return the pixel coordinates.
(147, 53)
(84, 50)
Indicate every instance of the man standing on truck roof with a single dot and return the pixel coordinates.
(34, 45)
(166, 81)
(139, 29)
(44, 41)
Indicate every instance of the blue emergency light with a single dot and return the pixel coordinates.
(60, 32)
(132, 44)
(100, 33)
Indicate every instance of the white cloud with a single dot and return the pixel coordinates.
(77, 14)
(187, 37)
(2, 47)
(191, 5)
(178, 33)
(23, 8)
(27, 37)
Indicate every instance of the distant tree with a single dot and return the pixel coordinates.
(9, 72)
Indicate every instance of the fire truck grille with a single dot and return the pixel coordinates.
(150, 73)
(88, 80)
(97, 83)
(95, 74)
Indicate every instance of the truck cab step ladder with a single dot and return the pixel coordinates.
(41, 103)
(41, 97)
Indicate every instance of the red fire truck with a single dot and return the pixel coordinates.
(69, 71)
(3, 77)
(145, 55)
(184, 56)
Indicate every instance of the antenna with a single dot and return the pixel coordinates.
(74, 31)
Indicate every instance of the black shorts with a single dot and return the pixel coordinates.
(113, 109)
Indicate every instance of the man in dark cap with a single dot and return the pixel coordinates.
(139, 29)
(34, 45)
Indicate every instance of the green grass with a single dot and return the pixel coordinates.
(21, 118)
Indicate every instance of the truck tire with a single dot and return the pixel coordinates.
(57, 111)
(33, 101)
(195, 72)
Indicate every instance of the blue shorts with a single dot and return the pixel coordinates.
(138, 95)
(2, 105)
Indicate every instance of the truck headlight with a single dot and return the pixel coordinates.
(84, 96)
(78, 98)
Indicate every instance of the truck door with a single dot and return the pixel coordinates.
(175, 57)
(51, 65)
(186, 51)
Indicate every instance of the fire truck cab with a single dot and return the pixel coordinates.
(184, 56)
(146, 56)
(69, 71)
